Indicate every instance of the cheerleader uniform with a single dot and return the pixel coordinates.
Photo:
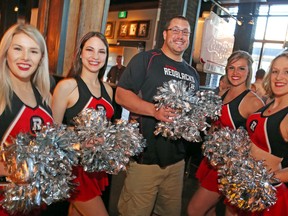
(230, 117)
(264, 132)
(89, 184)
(22, 118)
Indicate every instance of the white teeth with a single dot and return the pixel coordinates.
(235, 78)
(279, 84)
(24, 65)
(94, 63)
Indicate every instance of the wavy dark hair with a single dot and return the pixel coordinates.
(76, 67)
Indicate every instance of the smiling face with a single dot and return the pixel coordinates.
(237, 72)
(23, 57)
(176, 38)
(93, 55)
(279, 76)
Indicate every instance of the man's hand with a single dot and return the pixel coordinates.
(92, 142)
(165, 114)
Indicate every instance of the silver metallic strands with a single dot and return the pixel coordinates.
(225, 144)
(245, 182)
(192, 109)
(40, 168)
(105, 146)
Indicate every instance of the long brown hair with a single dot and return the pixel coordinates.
(76, 67)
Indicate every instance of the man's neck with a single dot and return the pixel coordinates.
(171, 55)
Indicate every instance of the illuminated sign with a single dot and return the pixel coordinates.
(122, 14)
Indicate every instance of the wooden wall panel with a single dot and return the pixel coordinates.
(63, 23)
(71, 37)
(54, 32)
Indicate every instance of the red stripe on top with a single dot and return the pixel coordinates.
(95, 103)
(27, 121)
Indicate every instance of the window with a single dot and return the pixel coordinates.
(271, 32)
(276, 28)
(263, 53)
(279, 9)
(260, 28)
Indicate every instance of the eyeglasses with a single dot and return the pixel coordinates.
(177, 31)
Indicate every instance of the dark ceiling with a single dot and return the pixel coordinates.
(117, 2)
(132, 4)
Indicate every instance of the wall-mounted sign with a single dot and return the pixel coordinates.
(122, 14)
(215, 46)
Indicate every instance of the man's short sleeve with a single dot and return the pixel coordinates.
(135, 72)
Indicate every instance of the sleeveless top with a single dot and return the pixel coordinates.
(264, 131)
(230, 115)
(89, 185)
(88, 100)
(23, 118)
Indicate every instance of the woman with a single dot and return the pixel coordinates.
(24, 82)
(238, 103)
(268, 130)
(84, 89)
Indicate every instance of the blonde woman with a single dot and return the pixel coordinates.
(238, 103)
(268, 130)
(24, 85)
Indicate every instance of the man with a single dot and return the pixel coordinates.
(155, 179)
(257, 86)
(223, 85)
(113, 77)
(115, 72)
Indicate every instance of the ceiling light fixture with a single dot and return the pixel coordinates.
(226, 11)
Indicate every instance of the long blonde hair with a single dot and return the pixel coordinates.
(267, 78)
(40, 78)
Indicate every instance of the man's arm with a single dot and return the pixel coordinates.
(108, 76)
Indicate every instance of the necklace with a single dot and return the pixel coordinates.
(271, 109)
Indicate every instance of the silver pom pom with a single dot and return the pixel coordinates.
(192, 109)
(110, 145)
(225, 145)
(245, 182)
(40, 168)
